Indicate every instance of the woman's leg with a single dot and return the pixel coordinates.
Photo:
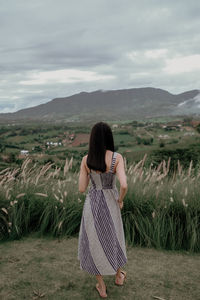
(101, 285)
(119, 276)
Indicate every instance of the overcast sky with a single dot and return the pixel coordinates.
(52, 49)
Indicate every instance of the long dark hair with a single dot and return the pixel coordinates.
(101, 139)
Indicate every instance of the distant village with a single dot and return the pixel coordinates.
(68, 138)
(49, 144)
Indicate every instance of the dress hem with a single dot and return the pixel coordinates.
(103, 274)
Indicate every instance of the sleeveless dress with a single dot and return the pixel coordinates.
(101, 241)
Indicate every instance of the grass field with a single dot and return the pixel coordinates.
(35, 267)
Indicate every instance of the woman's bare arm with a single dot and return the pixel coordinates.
(120, 172)
(83, 177)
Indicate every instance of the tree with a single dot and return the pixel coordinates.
(2, 147)
(38, 149)
(162, 144)
(198, 128)
(11, 157)
(139, 140)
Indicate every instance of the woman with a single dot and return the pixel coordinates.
(101, 244)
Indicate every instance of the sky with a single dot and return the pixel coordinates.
(51, 49)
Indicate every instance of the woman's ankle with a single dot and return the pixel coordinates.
(118, 273)
(102, 285)
(100, 281)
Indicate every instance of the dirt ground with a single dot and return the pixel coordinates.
(34, 268)
(80, 138)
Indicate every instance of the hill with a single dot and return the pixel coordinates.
(112, 105)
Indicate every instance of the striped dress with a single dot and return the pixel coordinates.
(101, 242)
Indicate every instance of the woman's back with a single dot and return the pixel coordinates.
(104, 180)
(114, 161)
(108, 161)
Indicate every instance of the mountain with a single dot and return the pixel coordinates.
(122, 104)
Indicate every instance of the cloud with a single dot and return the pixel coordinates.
(64, 76)
(156, 53)
(51, 49)
(183, 64)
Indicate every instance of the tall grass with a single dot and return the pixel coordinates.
(39, 198)
(160, 210)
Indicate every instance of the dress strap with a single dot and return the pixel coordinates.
(113, 162)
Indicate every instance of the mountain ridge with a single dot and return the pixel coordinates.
(113, 105)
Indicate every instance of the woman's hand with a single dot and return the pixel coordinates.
(121, 203)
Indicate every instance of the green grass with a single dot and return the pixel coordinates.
(160, 211)
(33, 266)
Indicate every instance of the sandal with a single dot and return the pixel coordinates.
(124, 273)
(102, 295)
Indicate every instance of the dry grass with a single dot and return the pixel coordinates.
(160, 209)
(34, 268)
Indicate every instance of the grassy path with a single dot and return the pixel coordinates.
(47, 268)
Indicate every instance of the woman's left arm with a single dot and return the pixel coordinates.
(83, 177)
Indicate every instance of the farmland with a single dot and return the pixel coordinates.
(54, 142)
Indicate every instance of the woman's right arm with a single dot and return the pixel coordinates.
(120, 172)
(83, 177)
